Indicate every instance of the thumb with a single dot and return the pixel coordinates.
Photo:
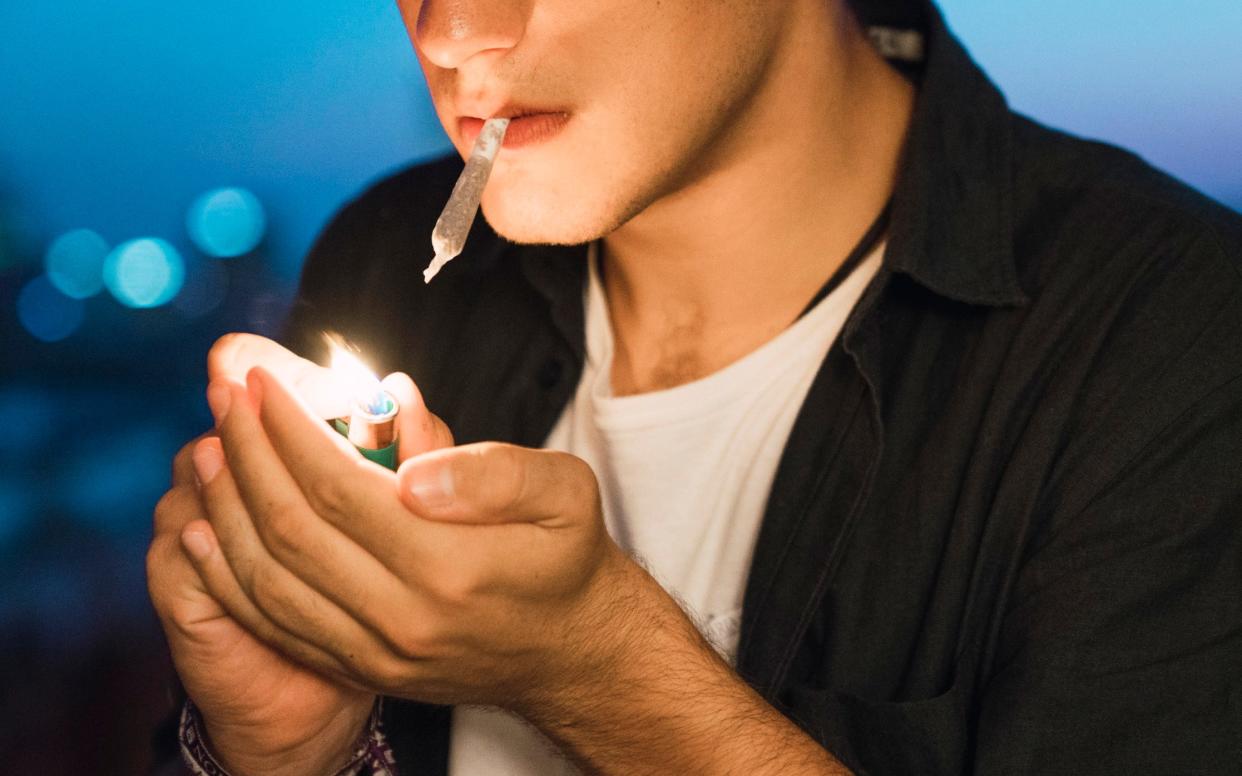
(418, 430)
(491, 483)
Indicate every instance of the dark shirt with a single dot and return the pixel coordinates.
(1004, 534)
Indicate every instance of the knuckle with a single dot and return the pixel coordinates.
(175, 508)
(155, 568)
(457, 588)
(407, 642)
(299, 651)
(181, 614)
(183, 460)
(281, 531)
(266, 591)
(170, 502)
(163, 510)
(327, 496)
(384, 671)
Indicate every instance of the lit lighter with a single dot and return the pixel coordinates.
(372, 422)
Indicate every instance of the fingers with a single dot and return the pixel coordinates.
(418, 430)
(234, 355)
(183, 468)
(263, 519)
(326, 393)
(170, 579)
(200, 543)
(177, 593)
(177, 507)
(264, 595)
(490, 482)
(346, 490)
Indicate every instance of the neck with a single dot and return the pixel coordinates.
(716, 268)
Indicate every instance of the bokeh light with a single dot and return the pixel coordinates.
(146, 272)
(226, 222)
(46, 313)
(74, 263)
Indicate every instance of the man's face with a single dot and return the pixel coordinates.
(622, 98)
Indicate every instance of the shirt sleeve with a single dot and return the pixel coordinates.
(1121, 650)
(371, 755)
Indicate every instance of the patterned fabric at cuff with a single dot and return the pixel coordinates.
(371, 754)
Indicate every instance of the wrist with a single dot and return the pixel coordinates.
(239, 751)
(629, 634)
(660, 699)
(653, 696)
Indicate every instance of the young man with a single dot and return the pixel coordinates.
(930, 419)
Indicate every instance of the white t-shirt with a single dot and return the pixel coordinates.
(684, 474)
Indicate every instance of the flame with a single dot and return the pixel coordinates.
(363, 386)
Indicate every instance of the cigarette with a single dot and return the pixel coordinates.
(449, 237)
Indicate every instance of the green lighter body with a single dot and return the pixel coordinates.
(386, 454)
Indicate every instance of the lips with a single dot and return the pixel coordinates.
(526, 126)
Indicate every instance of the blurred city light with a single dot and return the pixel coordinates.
(146, 272)
(46, 313)
(74, 263)
(226, 222)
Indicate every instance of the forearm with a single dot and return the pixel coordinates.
(672, 705)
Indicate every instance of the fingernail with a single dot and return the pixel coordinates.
(431, 484)
(208, 459)
(196, 543)
(218, 400)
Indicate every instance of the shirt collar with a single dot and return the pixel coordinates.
(952, 218)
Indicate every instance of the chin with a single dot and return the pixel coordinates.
(531, 218)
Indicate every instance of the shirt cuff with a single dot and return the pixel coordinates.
(371, 755)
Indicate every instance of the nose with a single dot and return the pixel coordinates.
(451, 32)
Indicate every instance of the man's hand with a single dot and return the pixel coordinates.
(263, 712)
(479, 574)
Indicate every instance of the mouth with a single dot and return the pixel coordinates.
(527, 127)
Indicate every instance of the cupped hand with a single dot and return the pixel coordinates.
(477, 574)
(263, 711)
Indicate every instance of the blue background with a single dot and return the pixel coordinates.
(115, 116)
